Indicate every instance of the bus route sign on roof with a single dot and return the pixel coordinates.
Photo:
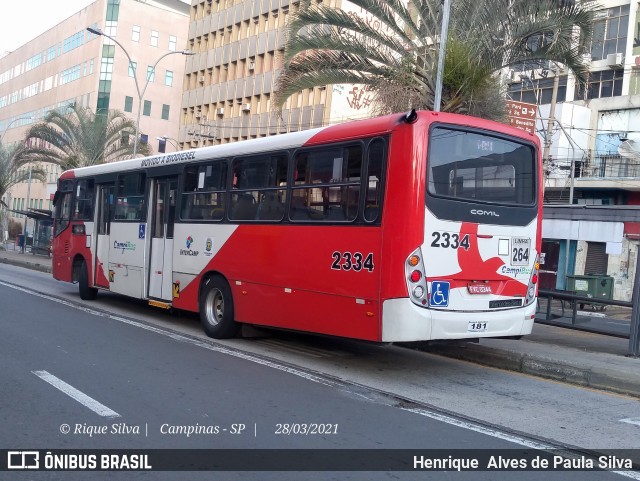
(522, 115)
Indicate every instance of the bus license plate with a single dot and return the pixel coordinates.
(477, 326)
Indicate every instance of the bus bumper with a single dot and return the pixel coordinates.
(403, 321)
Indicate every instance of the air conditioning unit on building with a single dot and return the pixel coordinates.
(252, 66)
(201, 79)
(198, 114)
(614, 60)
(220, 111)
(246, 107)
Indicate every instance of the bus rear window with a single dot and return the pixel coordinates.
(473, 166)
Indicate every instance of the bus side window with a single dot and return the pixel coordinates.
(375, 166)
(62, 203)
(203, 191)
(130, 196)
(259, 187)
(84, 200)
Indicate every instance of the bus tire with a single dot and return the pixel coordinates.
(216, 309)
(86, 293)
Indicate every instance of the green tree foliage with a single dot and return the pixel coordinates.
(76, 137)
(391, 47)
(13, 168)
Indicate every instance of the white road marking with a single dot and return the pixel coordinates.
(512, 438)
(311, 377)
(181, 338)
(79, 396)
(635, 421)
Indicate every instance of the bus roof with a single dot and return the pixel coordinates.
(337, 132)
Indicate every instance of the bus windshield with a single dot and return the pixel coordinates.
(474, 166)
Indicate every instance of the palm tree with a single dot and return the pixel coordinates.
(12, 168)
(12, 172)
(389, 47)
(79, 138)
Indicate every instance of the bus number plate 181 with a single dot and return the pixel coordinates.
(477, 326)
(520, 251)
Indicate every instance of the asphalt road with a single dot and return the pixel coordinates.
(115, 374)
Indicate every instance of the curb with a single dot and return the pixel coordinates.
(27, 264)
(602, 379)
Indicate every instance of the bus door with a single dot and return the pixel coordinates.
(106, 195)
(163, 200)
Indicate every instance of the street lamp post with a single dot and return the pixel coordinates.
(3, 223)
(172, 141)
(97, 31)
(26, 217)
(10, 124)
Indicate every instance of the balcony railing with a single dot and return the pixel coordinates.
(610, 166)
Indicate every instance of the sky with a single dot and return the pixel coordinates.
(42, 15)
(17, 27)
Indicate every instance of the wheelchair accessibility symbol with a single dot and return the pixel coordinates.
(439, 294)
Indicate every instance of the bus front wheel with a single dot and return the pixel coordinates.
(87, 293)
(216, 309)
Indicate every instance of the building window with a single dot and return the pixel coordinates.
(147, 108)
(132, 68)
(154, 38)
(113, 10)
(168, 78)
(610, 32)
(151, 73)
(172, 43)
(538, 91)
(135, 34)
(128, 104)
(165, 112)
(106, 68)
(607, 83)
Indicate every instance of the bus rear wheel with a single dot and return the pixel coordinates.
(216, 309)
(86, 293)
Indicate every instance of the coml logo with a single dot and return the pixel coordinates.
(23, 460)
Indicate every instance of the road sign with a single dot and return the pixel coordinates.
(522, 115)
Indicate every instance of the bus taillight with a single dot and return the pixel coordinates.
(416, 281)
(533, 281)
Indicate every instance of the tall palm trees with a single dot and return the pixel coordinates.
(12, 172)
(12, 168)
(79, 138)
(391, 46)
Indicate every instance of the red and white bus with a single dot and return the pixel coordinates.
(406, 227)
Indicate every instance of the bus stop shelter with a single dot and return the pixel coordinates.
(40, 240)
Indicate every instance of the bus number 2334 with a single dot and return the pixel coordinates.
(347, 261)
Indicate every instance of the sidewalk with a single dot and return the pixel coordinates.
(567, 355)
(13, 255)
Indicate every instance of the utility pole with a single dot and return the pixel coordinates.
(437, 96)
(552, 115)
